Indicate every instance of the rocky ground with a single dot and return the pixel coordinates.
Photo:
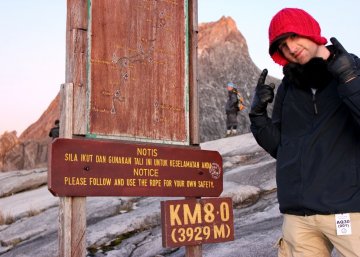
(131, 226)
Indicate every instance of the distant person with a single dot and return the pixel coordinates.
(233, 105)
(314, 134)
(54, 131)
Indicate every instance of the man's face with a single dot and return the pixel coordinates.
(298, 49)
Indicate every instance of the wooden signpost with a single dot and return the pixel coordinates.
(197, 221)
(129, 121)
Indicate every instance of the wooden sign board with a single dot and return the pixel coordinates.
(85, 167)
(194, 222)
(138, 70)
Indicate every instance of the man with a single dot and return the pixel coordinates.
(231, 110)
(314, 133)
(54, 131)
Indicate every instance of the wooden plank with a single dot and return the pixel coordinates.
(66, 108)
(76, 51)
(72, 210)
(193, 79)
(193, 251)
(72, 227)
(137, 71)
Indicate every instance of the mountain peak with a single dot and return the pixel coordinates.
(219, 32)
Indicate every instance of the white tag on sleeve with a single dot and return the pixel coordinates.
(343, 224)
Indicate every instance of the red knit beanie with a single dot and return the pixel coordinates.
(292, 20)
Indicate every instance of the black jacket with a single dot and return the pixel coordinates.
(315, 138)
(54, 132)
(232, 104)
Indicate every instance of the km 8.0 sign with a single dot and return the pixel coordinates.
(194, 222)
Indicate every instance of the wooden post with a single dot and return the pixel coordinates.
(76, 50)
(194, 97)
(193, 250)
(72, 210)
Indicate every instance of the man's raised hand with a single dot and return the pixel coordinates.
(264, 94)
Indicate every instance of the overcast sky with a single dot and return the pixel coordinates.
(32, 45)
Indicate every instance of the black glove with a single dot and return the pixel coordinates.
(342, 65)
(264, 94)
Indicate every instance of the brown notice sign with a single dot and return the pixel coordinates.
(83, 167)
(194, 222)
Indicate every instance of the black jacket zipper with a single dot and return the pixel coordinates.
(314, 100)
